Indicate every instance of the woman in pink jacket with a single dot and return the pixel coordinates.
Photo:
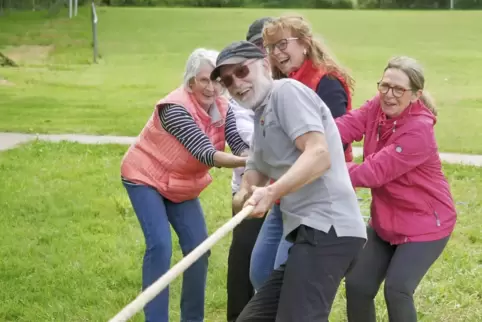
(412, 210)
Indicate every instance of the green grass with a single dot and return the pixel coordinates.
(144, 49)
(71, 245)
(72, 248)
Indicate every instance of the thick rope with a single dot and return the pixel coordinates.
(149, 293)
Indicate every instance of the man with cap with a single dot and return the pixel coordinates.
(296, 142)
(270, 249)
(255, 31)
(239, 287)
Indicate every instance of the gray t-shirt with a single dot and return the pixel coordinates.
(290, 110)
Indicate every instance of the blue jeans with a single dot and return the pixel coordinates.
(155, 213)
(270, 250)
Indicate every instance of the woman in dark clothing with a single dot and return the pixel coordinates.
(295, 53)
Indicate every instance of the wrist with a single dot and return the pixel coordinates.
(242, 191)
(241, 161)
(274, 192)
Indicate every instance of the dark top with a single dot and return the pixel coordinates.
(331, 91)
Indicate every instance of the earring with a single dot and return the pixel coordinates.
(304, 51)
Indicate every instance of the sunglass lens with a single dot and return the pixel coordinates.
(242, 72)
(227, 81)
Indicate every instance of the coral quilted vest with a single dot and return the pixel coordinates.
(159, 160)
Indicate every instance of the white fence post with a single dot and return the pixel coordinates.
(94, 31)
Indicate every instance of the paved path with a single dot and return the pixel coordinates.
(11, 140)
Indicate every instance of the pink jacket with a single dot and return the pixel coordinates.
(411, 198)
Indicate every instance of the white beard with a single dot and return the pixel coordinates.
(260, 89)
(249, 105)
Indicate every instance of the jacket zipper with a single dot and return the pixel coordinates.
(379, 129)
(437, 218)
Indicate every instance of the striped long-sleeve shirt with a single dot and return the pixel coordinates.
(177, 121)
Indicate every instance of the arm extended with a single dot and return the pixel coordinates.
(177, 121)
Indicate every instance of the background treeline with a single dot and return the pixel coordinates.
(338, 4)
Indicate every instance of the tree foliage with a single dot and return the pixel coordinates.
(335, 4)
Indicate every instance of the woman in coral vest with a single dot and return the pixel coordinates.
(167, 168)
(295, 53)
(412, 210)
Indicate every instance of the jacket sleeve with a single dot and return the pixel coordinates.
(331, 91)
(333, 94)
(177, 121)
(352, 125)
(406, 153)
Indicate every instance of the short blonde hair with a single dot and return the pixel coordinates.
(317, 51)
(414, 71)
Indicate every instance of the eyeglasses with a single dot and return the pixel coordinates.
(281, 45)
(397, 91)
(204, 83)
(240, 71)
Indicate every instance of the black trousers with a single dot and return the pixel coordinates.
(304, 288)
(402, 267)
(239, 287)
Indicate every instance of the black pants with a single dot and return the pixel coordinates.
(402, 266)
(304, 288)
(239, 287)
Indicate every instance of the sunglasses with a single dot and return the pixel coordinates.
(240, 71)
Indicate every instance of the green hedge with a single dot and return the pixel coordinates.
(418, 4)
(37, 4)
(345, 4)
(334, 4)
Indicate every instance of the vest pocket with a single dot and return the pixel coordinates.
(178, 183)
(187, 186)
(130, 183)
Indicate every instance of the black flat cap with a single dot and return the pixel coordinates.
(256, 29)
(236, 53)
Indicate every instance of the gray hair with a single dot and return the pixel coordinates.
(414, 71)
(198, 58)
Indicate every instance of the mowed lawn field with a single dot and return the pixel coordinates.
(71, 247)
(144, 51)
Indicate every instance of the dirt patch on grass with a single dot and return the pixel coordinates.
(4, 82)
(28, 54)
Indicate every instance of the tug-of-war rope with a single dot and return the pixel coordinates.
(149, 293)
